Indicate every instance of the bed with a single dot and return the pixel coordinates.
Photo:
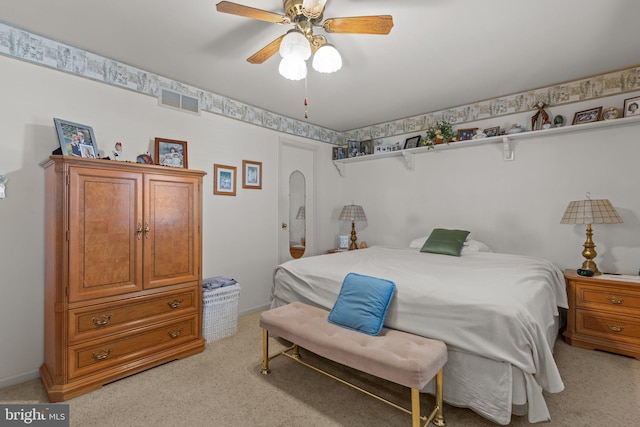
(497, 313)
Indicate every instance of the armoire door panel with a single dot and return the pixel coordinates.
(170, 246)
(104, 212)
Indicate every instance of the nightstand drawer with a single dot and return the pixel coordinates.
(616, 299)
(609, 326)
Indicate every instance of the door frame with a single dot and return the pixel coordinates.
(312, 244)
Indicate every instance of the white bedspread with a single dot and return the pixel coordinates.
(498, 306)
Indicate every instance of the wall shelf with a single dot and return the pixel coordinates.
(408, 155)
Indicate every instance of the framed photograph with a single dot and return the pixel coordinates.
(343, 241)
(466, 134)
(354, 148)
(334, 153)
(587, 116)
(252, 174)
(76, 140)
(224, 180)
(494, 131)
(631, 107)
(412, 142)
(170, 152)
(366, 147)
(610, 113)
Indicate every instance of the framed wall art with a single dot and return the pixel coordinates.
(587, 116)
(170, 152)
(631, 107)
(76, 140)
(466, 134)
(251, 174)
(412, 142)
(224, 180)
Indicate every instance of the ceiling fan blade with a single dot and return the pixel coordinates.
(377, 24)
(266, 52)
(250, 12)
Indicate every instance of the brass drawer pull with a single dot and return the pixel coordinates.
(103, 354)
(615, 328)
(175, 303)
(139, 230)
(175, 334)
(146, 230)
(102, 320)
(615, 300)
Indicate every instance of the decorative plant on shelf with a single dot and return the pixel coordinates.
(439, 133)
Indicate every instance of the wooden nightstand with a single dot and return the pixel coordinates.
(603, 314)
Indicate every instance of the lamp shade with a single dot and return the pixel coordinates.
(327, 59)
(590, 212)
(295, 45)
(352, 213)
(293, 69)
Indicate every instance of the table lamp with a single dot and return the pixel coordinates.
(590, 212)
(353, 213)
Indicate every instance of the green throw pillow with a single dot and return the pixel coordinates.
(445, 242)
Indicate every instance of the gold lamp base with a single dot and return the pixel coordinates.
(590, 253)
(354, 238)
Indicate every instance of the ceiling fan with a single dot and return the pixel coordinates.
(304, 16)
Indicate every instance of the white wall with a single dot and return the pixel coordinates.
(513, 206)
(239, 233)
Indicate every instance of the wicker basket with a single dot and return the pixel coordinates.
(220, 312)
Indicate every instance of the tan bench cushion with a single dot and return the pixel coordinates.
(396, 356)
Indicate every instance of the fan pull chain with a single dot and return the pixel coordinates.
(306, 100)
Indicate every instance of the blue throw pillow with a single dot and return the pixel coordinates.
(362, 303)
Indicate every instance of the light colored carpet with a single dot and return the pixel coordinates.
(223, 387)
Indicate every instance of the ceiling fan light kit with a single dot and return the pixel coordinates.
(297, 45)
(327, 59)
(293, 68)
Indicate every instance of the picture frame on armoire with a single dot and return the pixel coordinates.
(76, 140)
(170, 152)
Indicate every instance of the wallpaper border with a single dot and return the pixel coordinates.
(24, 45)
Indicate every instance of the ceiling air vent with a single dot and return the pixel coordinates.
(179, 101)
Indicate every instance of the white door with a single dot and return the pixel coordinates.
(296, 229)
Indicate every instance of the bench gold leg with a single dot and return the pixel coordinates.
(439, 419)
(415, 407)
(265, 352)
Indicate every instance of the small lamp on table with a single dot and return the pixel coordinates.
(353, 213)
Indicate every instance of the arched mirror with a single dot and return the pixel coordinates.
(297, 214)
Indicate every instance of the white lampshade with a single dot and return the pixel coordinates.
(313, 8)
(292, 68)
(295, 45)
(327, 59)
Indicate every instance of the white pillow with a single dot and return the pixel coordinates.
(475, 246)
(418, 243)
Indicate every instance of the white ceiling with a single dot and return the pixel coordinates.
(439, 54)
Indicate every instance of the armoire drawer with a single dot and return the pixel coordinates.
(97, 355)
(608, 326)
(96, 321)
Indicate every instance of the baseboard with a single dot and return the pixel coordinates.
(255, 309)
(17, 379)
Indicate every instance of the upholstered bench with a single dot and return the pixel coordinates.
(396, 356)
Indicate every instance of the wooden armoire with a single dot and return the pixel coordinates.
(122, 273)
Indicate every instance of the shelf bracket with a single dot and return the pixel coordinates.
(409, 159)
(342, 168)
(507, 149)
